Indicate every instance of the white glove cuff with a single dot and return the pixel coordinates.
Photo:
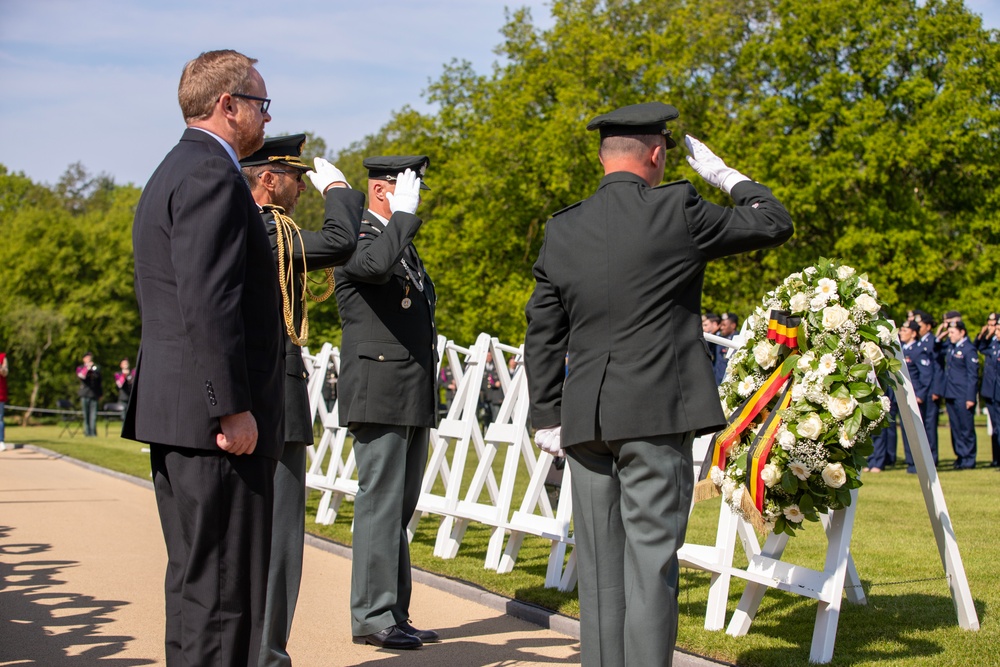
(731, 180)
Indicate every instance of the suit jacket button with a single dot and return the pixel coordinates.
(305, 375)
(213, 401)
(381, 357)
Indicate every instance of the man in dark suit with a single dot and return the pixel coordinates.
(275, 174)
(618, 286)
(208, 391)
(388, 396)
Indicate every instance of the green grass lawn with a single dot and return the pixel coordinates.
(909, 619)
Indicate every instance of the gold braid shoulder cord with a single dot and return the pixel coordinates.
(285, 228)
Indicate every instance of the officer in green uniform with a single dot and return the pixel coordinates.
(618, 287)
(388, 396)
(275, 176)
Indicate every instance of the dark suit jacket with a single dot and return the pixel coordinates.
(210, 306)
(388, 355)
(331, 246)
(618, 287)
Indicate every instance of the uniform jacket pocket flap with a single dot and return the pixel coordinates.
(383, 351)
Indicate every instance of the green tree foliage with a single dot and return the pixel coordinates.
(66, 258)
(875, 121)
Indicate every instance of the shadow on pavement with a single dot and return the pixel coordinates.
(458, 647)
(51, 628)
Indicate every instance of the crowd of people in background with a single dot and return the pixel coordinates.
(943, 361)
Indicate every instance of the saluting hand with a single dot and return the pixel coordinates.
(407, 193)
(710, 166)
(326, 176)
(239, 433)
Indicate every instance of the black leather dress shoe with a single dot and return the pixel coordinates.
(391, 637)
(426, 636)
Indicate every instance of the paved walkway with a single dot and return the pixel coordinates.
(81, 583)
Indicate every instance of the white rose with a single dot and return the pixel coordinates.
(798, 392)
(799, 469)
(817, 303)
(810, 427)
(765, 354)
(786, 440)
(842, 408)
(835, 316)
(844, 272)
(866, 286)
(799, 302)
(793, 513)
(810, 271)
(834, 475)
(797, 276)
(866, 303)
(872, 351)
(886, 335)
(805, 360)
(827, 365)
(771, 475)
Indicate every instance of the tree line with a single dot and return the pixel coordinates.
(876, 122)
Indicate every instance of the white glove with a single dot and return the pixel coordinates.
(407, 194)
(550, 440)
(325, 175)
(710, 166)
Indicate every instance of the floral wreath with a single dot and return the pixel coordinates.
(805, 393)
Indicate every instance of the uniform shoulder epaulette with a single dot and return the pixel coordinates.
(563, 210)
(683, 181)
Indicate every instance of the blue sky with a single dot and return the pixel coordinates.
(95, 81)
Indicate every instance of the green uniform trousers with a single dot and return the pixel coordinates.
(631, 500)
(391, 462)
(284, 575)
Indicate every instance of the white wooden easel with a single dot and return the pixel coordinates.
(766, 569)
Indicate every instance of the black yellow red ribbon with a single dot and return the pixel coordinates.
(783, 329)
(760, 450)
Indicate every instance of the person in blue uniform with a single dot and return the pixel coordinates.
(961, 384)
(927, 355)
(921, 369)
(727, 329)
(988, 343)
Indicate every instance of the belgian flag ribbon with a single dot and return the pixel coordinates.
(782, 328)
(739, 421)
(760, 450)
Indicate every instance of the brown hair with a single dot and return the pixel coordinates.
(635, 146)
(207, 77)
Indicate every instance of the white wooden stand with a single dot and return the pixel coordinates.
(766, 569)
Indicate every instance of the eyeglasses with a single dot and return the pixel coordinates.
(265, 103)
(298, 174)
